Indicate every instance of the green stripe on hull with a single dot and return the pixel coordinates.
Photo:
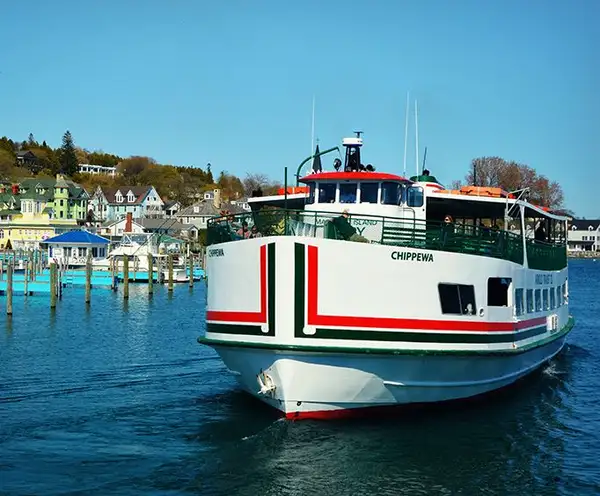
(271, 288)
(426, 337)
(382, 351)
(241, 329)
(299, 289)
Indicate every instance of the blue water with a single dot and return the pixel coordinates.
(120, 399)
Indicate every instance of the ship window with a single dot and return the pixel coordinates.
(545, 299)
(327, 193)
(559, 296)
(368, 192)
(311, 194)
(498, 291)
(457, 299)
(348, 192)
(530, 300)
(415, 196)
(391, 193)
(552, 299)
(538, 300)
(519, 301)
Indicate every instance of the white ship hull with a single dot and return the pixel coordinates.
(317, 334)
(323, 385)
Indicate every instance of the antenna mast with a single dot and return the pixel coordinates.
(416, 137)
(312, 129)
(407, 111)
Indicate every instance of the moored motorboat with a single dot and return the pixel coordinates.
(373, 290)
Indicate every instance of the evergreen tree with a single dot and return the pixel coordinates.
(67, 156)
(31, 141)
(209, 176)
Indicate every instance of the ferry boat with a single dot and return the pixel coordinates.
(368, 289)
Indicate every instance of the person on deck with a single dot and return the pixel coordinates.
(345, 229)
(540, 233)
(447, 230)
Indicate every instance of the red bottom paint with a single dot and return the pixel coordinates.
(344, 413)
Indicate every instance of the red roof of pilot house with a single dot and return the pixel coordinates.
(352, 176)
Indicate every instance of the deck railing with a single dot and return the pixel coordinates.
(458, 238)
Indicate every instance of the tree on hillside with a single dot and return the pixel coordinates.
(47, 160)
(31, 141)
(67, 156)
(230, 185)
(209, 176)
(512, 176)
(7, 163)
(132, 167)
(98, 157)
(82, 156)
(8, 145)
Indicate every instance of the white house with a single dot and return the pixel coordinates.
(171, 208)
(97, 169)
(74, 247)
(584, 235)
(118, 227)
(116, 203)
(198, 214)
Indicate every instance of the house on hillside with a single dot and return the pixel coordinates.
(171, 208)
(199, 213)
(584, 235)
(38, 208)
(108, 204)
(116, 228)
(28, 160)
(97, 169)
(172, 227)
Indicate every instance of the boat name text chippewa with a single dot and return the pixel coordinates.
(216, 252)
(412, 256)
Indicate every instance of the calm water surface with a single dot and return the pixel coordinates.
(121, 399)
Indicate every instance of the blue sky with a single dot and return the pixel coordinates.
(232, 82)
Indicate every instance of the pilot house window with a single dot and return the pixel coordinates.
(457, 299)
(414, 197)
(368, 192)
(311, 194)
(391, 193)
(327, 193)
(348, 193)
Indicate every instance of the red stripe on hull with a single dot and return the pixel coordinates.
(315, 319)
(247, 317)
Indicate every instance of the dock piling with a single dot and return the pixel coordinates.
(9, 289)
(53, 283)
(191, 265)
(150, 274)
(126, 277)
(26, 276)
(170, 272)
(88, 280)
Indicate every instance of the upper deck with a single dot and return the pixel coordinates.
(359, 203)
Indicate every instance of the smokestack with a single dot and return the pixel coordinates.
(129, 223)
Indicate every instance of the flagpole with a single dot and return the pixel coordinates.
(312, 130)
(407, 111)
(416, 137)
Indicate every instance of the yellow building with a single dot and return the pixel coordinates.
(32, 215)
